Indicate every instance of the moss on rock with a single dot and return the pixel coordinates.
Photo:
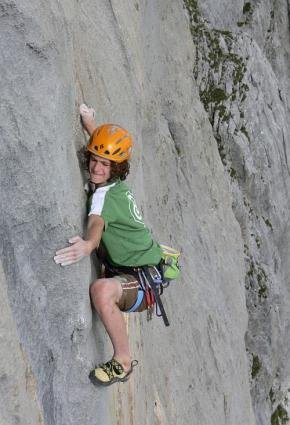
(280, 416)
(256, 366)
(219, 72)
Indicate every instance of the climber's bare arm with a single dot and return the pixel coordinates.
(80, 247)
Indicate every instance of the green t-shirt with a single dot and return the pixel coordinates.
(127, 240)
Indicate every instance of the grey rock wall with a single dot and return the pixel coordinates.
(215, 186)
(242, 72)
(18, 398)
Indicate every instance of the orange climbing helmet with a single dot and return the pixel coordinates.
(112, 142)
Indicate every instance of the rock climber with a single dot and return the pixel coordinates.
(116, 229)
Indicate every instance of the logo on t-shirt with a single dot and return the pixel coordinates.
(137, 216)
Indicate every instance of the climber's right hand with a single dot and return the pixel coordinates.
(74, 253)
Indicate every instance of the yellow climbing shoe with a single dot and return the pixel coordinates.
(110, 372)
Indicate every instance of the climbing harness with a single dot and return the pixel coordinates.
(152, 281)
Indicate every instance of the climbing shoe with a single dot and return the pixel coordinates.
(110, 372)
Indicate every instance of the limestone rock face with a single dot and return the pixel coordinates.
(18, 386)
(242, 72)
(204, 91)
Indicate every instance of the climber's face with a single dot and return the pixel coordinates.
(100, 170)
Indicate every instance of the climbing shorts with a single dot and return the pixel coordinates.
(130, 285)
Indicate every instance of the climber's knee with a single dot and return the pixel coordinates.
(105, 291)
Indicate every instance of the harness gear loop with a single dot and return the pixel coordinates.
(158, 301)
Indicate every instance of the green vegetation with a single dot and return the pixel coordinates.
(212, 94)
(250, 272)
(247, 12)
(280, 416)
(267, 222)
(220, 73)
(263, 290)
(247, 7)
(256, 366)
(178, 150)
(256, 278)
(233, 173)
